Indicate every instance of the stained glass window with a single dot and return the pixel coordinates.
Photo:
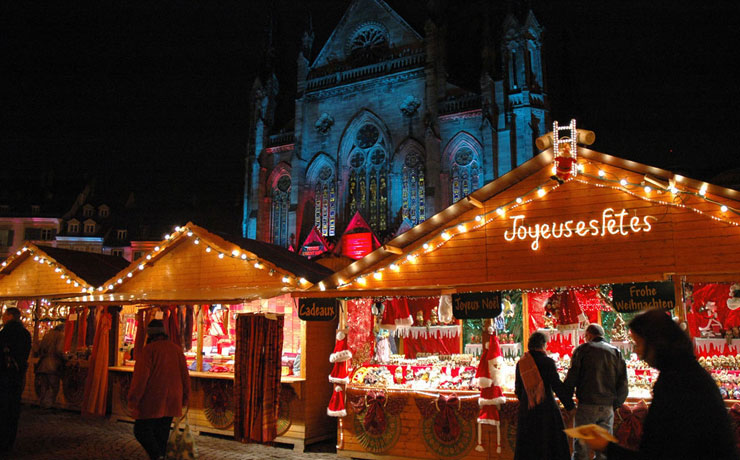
(325, 202)
(413, 193)
(279, 215)
(368, 181)
(465, 173)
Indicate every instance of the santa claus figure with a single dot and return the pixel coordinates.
(340, 358)
(336, 404)
(491, 394)
(564, 163)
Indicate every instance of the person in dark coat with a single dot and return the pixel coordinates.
(687, 418)
(15, 346)
(540, 433)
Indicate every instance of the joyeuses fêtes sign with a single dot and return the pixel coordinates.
(611, 223)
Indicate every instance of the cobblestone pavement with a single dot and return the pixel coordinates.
(64, 435)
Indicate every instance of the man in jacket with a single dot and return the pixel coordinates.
(160, 387)
(15, 346)
(599, 375)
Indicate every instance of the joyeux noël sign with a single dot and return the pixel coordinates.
(471, 305)
(610, 223)
(317, 309)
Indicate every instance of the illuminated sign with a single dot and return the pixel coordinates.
(357, 245)
(633, 297)
(611, 223)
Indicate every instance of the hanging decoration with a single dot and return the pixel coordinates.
(447, 423)
(491, 394)
(564, 151)
(377, 420)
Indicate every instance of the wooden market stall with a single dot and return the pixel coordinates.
(30, 280)
(608, 222)
(204, 282)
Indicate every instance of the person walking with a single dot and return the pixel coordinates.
(15, 346)
(540, 426)
(687, 418)
(599, 375)
(49, 367)
(160, 387)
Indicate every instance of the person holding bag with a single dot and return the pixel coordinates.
(540, 427)
(160, 388)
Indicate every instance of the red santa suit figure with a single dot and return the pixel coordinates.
(340, 358)
(564, 163)
(491, 395)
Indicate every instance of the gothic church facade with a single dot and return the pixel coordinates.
(380, 131)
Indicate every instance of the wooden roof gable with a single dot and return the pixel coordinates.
(527, 229)
(39, 271)
(193, 264)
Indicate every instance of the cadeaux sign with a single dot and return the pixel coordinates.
(317, 309)
(476, 305)
(634, 297)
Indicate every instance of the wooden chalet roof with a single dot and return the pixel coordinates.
(42, 271)
(689, 234)
(196, 266)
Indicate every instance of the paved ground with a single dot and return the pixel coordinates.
(63, 435)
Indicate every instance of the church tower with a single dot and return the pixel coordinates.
(382, 134)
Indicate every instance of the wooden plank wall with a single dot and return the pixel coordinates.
(31, 279)
(680, 241)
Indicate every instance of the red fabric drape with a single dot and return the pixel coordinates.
(69, 329)
(537, 302)
(257, 366)
(173, 325)
(96, 384)
(360, 329)
(711, 292)
(442, 345)
(81, 328)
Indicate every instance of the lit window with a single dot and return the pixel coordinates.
(325, 202)
(121, 234)
(89, 228)
(465, 173)
(73, 227)
(279, 212)
(368, 178)
(413, 189)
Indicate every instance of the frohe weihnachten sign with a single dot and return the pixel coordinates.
(476, 305)
(634, 297)
(317, 309)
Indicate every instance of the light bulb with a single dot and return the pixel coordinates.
(244, 257)
(394, 267)
(141, 266)
(723, 208)
(130, 274)
(540, 192)
(601, 173)
(190, 233)
(156, 248)
(303, 280)
(426, 246)
(208, 249)
(478, 218)
(286, 279)
(235, 253)
(500, 211)
(410, 257)
(220, 255)
(321, 286)
(519, 200)
(378, 276)
(197, 241)
(648, 189)
(703, 190)
(446, 235)
(167, 236)
(623, 182)
(148, 257)
(461, 228)
(362, 280)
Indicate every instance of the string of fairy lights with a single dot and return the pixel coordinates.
(209, 247)
(605, 179)
(287, 278)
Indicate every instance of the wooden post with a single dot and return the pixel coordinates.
(680, 305)
(199, 347)
(525, 321)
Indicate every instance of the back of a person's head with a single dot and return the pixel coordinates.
(595, 330)
(13, 312)
(663, 337)
(536, 341)
(155, 329)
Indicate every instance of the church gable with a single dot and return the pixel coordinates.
(367, 24)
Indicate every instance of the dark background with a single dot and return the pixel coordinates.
(153, 96)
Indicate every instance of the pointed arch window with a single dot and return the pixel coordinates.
(325, 202)
(368, 177)
(279, 212)
(413, 188)
(465, 173)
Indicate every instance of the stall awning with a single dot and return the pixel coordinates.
(191, 296)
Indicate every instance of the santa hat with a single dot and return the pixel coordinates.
(336, 404)
(340, 357)
(491, 395)
(396, 314)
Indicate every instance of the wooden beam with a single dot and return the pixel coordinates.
(474, 202)
(392, 249)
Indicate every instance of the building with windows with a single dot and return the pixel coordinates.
(380, 130)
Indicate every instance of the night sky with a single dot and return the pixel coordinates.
(153, 96)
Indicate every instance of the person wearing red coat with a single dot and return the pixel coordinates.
(159, 389)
